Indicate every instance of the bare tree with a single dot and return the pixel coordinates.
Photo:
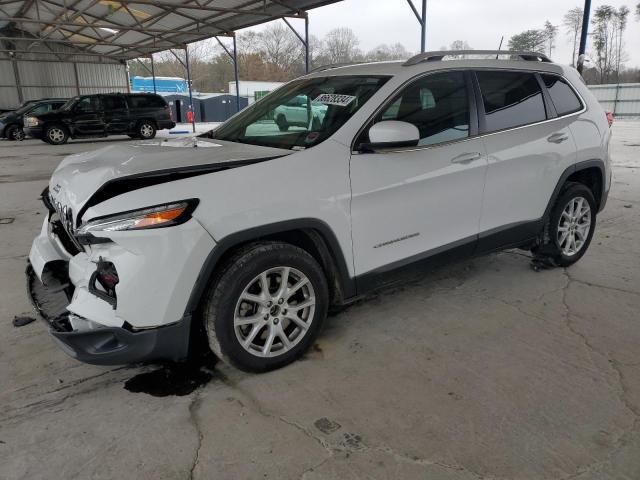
(550, 31)
(280, 48)
(608, 29)
(341, 46)
(572, 22)
(386, 52)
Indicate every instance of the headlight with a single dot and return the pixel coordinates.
(158, 216)
(30, 121)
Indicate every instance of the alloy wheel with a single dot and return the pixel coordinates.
(146, 130)
(274, 312)
(56, 135)
(574, 225)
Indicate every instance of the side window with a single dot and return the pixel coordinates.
(511, 99)
(562, 95)
(437, 104)
(113, 102)
(88, 104)
(40, 109)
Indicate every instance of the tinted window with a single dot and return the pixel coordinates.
(113, 102)
(564, 98)
(40, 109)
(87, 104)
(146, 101)
(437, 104)
(511, 99)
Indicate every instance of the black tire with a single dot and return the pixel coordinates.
(146, 130)
(282, 123)
(224, 295)
(551, 247)
(14, 132)
(56, 134)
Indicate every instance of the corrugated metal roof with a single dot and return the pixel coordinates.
(121, 30)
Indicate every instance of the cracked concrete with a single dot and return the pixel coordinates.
(480, 370)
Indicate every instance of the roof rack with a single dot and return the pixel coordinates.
(439, 55)
(333, 65)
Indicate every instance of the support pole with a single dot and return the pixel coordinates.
(422, 20)
(193, 116)
(423, 40)
(153, 74)
(583, 34)
(235, 72)
(307, 60)
(305, 40)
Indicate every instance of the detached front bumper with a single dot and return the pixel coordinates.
(148, 321)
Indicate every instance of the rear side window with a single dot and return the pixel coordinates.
(113, 102)
(511, 99)
(437, 104)
(146, 101)
(562, 95)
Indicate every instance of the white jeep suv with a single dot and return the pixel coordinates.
(247, 235)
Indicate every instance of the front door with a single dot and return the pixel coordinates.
(414, 202)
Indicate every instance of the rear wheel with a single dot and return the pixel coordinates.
(146, 130)
(56, 135)
(571, 225)
(266, 306)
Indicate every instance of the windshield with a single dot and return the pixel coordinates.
(24, 107)
(302, 113)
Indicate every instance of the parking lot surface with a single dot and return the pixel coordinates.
(483, 369)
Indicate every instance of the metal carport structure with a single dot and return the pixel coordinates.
(113, 32)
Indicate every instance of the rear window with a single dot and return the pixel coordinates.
(562, 95)
(146, 101)
(511, 99)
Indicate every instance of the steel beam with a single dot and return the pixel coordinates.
(193, 112)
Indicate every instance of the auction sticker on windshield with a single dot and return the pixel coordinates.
(334, 99)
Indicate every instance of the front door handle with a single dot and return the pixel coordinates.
(466, 157)
(558, 137)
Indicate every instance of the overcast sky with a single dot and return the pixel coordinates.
(479, 22)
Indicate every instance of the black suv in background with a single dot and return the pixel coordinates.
(11, 123)
(138, 115)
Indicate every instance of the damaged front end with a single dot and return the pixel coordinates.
(99, 296)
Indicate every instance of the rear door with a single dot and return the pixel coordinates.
(88, 116)
(411, 203)
(528, 148)
(116, 114)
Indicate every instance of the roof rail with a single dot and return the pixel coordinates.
(333, 65)
(439, 55)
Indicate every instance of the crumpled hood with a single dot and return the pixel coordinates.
(80, 176)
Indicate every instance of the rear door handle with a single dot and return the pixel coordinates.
(558, 137)
(466, 157)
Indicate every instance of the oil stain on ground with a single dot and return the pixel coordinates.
(175, 379)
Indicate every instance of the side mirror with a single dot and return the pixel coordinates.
(391, 134)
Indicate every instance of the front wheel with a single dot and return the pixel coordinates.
(14, 132)
(282, 123)
(266, 306)
(56, 135)
(571, 225)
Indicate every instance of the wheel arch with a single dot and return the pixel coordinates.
(590, 173)
(312, 235)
